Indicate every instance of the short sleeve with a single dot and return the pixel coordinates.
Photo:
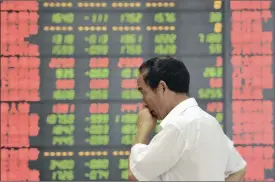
(235, 162)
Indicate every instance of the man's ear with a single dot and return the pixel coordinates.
(162, 86)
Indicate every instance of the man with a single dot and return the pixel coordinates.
(191, 145)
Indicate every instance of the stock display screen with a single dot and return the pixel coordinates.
(69, 99)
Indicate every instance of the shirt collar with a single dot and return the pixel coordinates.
(181, 107)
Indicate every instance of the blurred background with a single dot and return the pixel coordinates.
(69, 101)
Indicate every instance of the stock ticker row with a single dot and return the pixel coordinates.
(69, 101)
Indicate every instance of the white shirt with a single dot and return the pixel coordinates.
(190, 147)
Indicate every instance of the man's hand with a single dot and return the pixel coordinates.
(146, 124)
(146, 121)
(131, 177)
(238, 176)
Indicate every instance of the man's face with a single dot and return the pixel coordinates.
(153, 99)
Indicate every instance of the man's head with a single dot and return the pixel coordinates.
(163, 83)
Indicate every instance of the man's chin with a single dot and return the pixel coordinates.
(159, 118)
(156, 116)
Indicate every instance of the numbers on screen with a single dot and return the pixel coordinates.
(63, 18)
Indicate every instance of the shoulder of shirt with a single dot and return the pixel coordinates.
(184, 120)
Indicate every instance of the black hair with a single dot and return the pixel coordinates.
(168, 69)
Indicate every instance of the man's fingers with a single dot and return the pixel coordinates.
(132, 178)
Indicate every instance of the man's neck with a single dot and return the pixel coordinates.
(177, 99)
